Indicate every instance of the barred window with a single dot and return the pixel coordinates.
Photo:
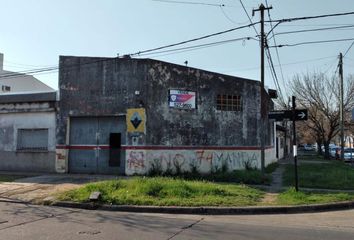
(229, 103)
(5, 88)
(32, 139)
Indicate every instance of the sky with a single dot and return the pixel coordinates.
(34, 33)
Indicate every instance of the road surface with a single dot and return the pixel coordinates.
(21, 221)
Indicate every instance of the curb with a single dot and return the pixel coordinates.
(10, 200)
(209, 210)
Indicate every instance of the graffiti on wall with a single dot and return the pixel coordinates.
(136, 159)
(60, 160)
(140, 161)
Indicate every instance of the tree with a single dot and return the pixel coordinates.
(320, 95)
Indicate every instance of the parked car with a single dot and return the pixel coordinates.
(307, 147)
(348, 154)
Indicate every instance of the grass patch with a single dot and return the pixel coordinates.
(237, 176)
(163, 191)
(332, 175)
(291, 197)
(250, 176)
(9, 178)
(314, 157)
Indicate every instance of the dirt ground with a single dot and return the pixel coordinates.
(40, 188)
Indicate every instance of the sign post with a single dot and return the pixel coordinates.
(293, 115)
(294, 144)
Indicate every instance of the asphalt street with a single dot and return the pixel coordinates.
(22, 221)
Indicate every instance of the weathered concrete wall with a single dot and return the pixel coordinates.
(103, 86)
(13, 160)
(27, 161)
(98, 87)
(110, 86)
(140, 161)
(205, 125)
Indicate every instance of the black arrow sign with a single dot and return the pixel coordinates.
(300, 115)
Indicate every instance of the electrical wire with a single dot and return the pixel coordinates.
(316, 25)
(292, 63)
(313, 30)
(192, 40)
(38, 71)
(199, 46)
(249, 18)
(312, 42)
(277, 52)
(274, 74)
(191, 3)
(226, 16)
(312, 17)
(351, 45)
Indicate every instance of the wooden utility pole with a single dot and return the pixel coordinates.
(263, 103)
(341, 107)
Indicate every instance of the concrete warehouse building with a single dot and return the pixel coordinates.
(125, 116)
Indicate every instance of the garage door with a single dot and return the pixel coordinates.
(95, 145)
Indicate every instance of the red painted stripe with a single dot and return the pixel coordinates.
(105, 147)
(83, 147)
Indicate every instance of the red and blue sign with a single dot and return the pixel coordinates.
(182, 99)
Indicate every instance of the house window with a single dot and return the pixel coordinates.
(229, 103)
(5, 88)
(32, 139)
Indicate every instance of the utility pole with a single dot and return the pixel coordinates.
(341, 117)
(263, 103)
(295, 145)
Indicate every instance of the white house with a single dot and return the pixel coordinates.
(19, 82)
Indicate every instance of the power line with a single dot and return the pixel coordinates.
(204, 4)
(56, 68)
(317, 25)
(279, 21)
(313, 30)
(312, 17)
(23, 73)
(244, 9)
(277, 52)
(191, 3)
(226, 16)
(39, 71)
(193, 40)
(312, 42)
(351, 45)
(274, 74)
(292, 63)
(199, 46)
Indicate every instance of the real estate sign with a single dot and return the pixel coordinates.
(182, 99)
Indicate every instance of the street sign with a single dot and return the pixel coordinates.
(300, 115)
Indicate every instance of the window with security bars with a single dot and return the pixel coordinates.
(229, 103)
(32, 139)
(5, 88)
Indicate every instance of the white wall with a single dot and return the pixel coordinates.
(140, 161)
(26, 161)
(11, 122)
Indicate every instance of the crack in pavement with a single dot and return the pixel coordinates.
(185, 228)
(39, 219)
